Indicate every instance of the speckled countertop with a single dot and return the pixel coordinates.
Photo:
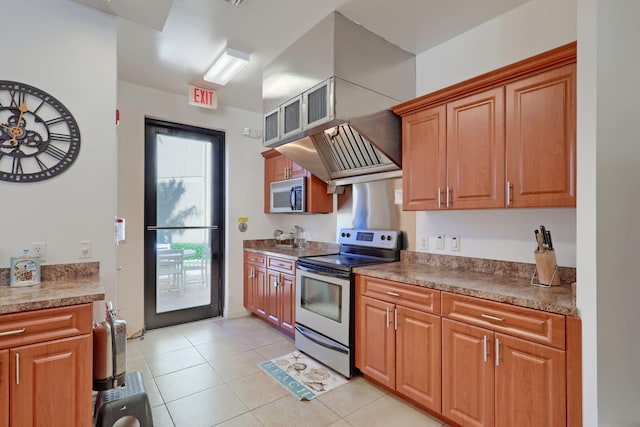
(269, 247)
(62, 285)
(499, 281)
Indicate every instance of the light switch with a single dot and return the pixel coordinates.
(85, 249)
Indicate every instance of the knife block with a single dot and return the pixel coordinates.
(546, 268)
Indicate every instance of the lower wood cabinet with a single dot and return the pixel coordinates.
(493, 378)
(269, 290)
(398, 338)
(471, 361)
(46, 367)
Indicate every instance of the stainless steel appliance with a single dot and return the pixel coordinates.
(288, 195)
(109, 351)
(325, 295)
(326, 100)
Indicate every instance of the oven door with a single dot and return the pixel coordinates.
(322, 304)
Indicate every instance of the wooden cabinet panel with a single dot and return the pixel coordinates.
(54, 383)
(418, 357)
(249, 288)
(272, 296)
(45, 325)
(541, 139)
(539, 326)
(277, 168)
(261, 295)
(4, 388)
(255, 282)
(475, 151)
(467, 374)
(288, 306)
(280, 264)
(411, 296)
(530, 384)
(424, 160)
(377, 341)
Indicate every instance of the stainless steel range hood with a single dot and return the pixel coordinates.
(327, 100)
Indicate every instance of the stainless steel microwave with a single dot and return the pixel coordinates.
(288, 195)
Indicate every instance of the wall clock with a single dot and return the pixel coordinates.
(39, 138)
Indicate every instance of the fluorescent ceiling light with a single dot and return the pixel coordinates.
(227, 66)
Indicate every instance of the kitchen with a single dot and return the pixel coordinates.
(605, 298)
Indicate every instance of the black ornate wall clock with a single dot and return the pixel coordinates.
(39, 138)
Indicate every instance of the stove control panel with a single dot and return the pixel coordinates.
(387, 239)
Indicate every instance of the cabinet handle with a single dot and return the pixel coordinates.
(395, 319)
(17, 368)
(508, 193)
(15, 332)
(439, 198)
(448, 195)
(497, 352)
(393, 294)
(490, 317)
(485, 348)
(388, 320)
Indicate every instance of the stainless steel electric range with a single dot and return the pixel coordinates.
(325, 295)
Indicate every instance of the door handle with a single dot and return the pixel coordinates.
(14, 332)
(497, 352)
(485, 348)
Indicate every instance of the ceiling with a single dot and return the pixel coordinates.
(169, 44)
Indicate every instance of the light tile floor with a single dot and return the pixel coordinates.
(205, 374)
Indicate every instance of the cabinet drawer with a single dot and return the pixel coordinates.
(30, 327)
(283, 265)
(253, 258)
(411, 296)
(534, 325)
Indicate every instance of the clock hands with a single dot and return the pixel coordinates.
(17, 131)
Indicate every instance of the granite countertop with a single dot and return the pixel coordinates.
(269, 247)
(49, 294)
(62, 285)
(510, 289)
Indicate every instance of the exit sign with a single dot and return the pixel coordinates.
(202, 97)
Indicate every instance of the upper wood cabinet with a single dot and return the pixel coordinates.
(424, 163)
(278, 168)
(503, 139)
(541, 139)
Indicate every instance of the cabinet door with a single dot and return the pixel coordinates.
(467, 374)
(541, 139)
(4, 388)
(377, 341)
(272, 296)
(288, 303)
(530, 384)
(260, 291)
(475, 151)
(424, 159)
(418, 357)
(249, 288)
(280, 168)
(51, 383)
(296, 171)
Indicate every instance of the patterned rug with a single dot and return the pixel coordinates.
(304, 377)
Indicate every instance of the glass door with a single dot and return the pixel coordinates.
(183, 223)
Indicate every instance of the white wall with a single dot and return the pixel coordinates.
(532, 28)
(69, 51)
(244, 186)
(617, 201)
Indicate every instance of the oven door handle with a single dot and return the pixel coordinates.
(318, 340)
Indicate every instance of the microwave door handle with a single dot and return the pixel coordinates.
(292, 198)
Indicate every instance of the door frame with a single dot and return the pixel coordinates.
(152, 319)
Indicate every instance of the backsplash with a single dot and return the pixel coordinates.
(52, 273)
(481, 265)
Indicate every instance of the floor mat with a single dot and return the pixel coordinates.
(303, 376)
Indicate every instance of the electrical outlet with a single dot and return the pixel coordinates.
(85, 249)
(440, 242)
(424, 243)
(40, 248)
(455, 243)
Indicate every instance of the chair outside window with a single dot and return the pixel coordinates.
(199, 267)
(170, 269)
